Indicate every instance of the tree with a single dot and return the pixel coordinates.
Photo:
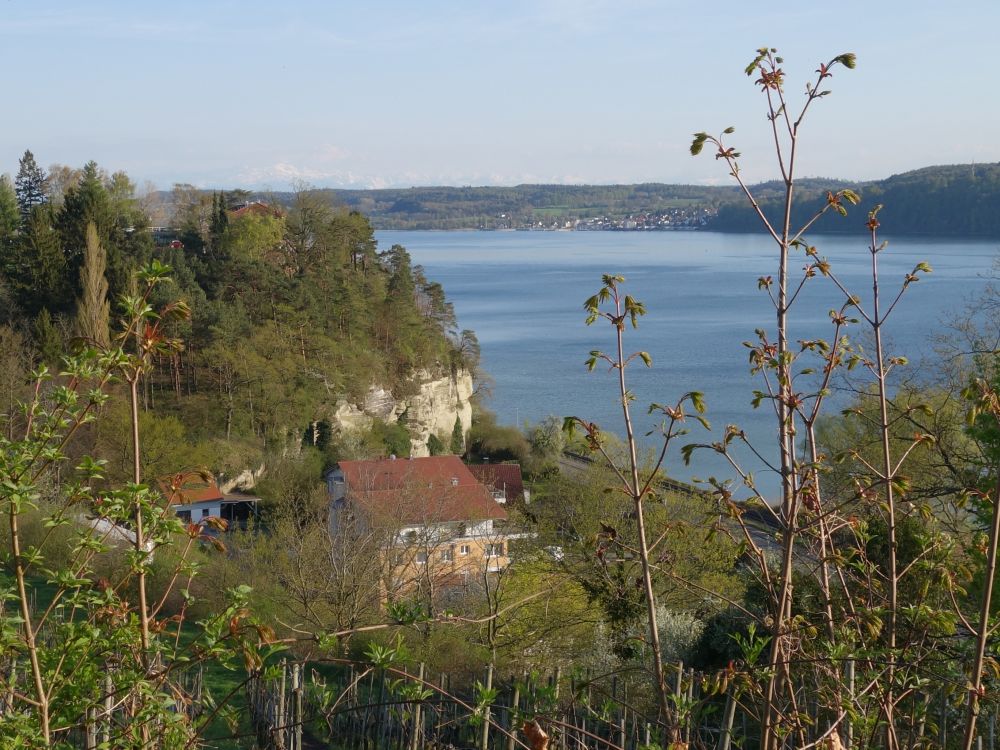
(85, 203)
(401, 321)
(191, 215)
(252, 236)
(308, 235)
(457, 438)
(316, 581)
(29, 185)
(435, 446)
(489, 441)
(93, 307)
(42, 276)
(548, 441)
(394, 437)
(538, 616)
(60, 179)
(10, 217)
(576, 514)
(48, 340)
(859, 541)
(219, 220)
(637, 483)
(17, 358)
(167, 446)
(96, 652)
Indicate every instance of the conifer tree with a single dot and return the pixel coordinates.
(42, 276)
(85, 203)
(457, 438)
(93, 308)
(219, 219)
(29, 185)
(10, 216)
(223, 212)
(48, 341)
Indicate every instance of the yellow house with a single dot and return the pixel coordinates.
(441, 529)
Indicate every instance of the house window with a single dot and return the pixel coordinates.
(421, 558)
(448, 554)
(184, 515)
(204, 512)
(464, 549)
(494, 550)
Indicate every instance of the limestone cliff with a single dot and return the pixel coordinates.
(431, 411)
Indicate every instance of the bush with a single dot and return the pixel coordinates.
(435, 446)
(488, 440)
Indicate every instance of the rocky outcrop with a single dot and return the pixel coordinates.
(245, 480)
(431, 411)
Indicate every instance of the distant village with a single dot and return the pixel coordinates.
(672, 219)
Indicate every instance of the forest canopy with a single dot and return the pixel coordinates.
(293, 307)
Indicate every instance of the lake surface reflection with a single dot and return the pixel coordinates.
(522, 293)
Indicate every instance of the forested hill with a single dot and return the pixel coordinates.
(961, 200)
(292, 309)
(958, 200)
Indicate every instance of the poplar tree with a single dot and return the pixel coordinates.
(220, 219)
(93, 309)
(29, 185)
(223, 216)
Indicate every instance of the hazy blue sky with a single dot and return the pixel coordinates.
(425, 92)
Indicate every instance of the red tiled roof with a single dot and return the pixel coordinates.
(189, 487)
(434, 489)
(503, 477)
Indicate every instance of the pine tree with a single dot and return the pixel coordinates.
(29, 185)
(93, 308)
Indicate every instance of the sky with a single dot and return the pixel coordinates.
(425, 92)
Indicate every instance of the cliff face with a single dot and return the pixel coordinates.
(432, 411)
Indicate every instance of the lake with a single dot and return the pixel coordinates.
(523, 293)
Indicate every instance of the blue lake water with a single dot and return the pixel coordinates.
(523, 293)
